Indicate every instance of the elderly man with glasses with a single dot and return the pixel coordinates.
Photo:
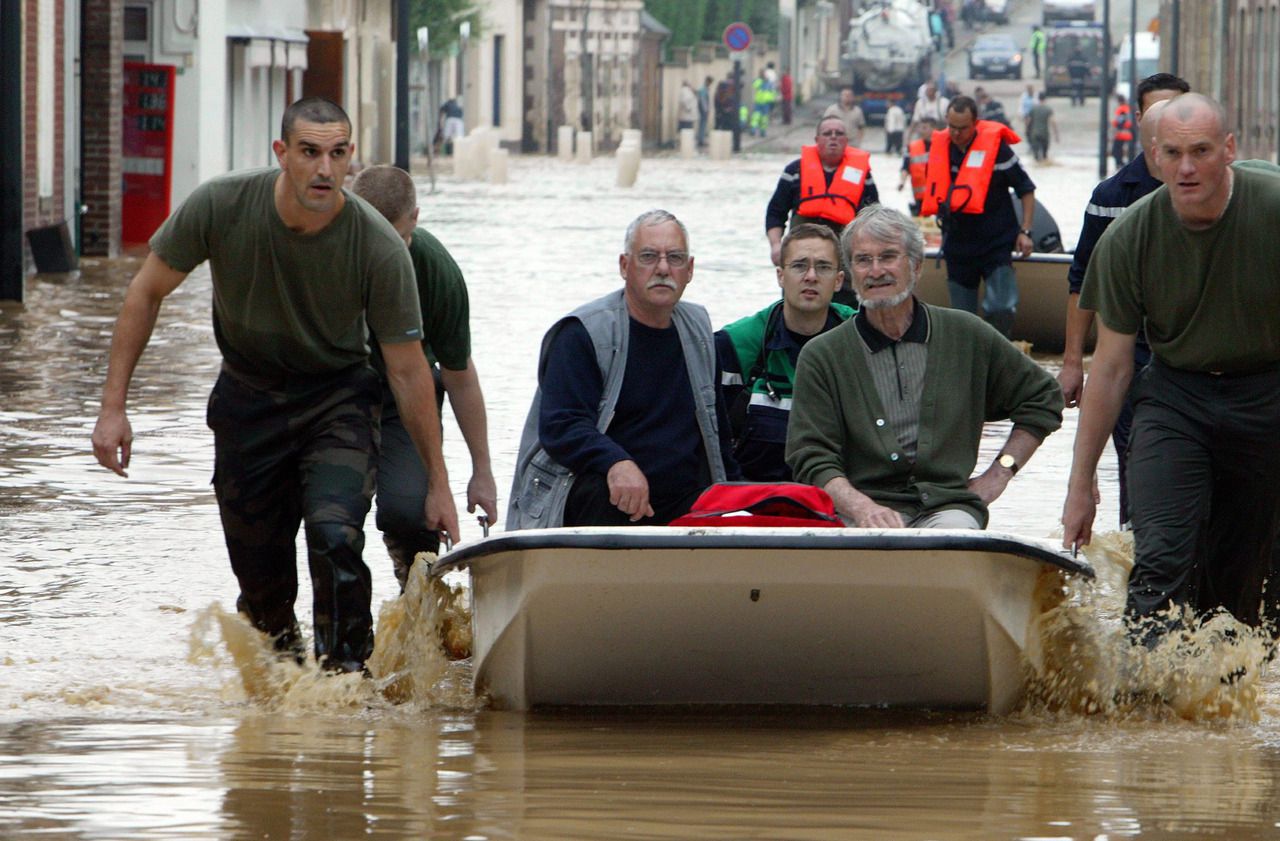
(627, 427)
(758, 354)
(889, 406)
(827, 185)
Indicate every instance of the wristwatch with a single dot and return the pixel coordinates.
(1025, 231)
(1008, 462)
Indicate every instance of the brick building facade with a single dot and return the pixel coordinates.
(102, 84)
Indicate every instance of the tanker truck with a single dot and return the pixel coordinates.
(888, 55)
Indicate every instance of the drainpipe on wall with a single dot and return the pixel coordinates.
(11, 274)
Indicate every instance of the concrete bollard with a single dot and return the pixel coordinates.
(584, 149)
(721, 148)
(632, 137)
(688, 143)
(484, 141)
(462, 157)
(564, 143)
(628, 165)
(498, 159)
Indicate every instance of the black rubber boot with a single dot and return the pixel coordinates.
(1002, 321)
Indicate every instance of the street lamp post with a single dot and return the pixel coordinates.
(464, 35)
(402, 84)
(1104, 87)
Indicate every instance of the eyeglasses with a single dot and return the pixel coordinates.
(866, 261)
(821, 268)
(675, 259)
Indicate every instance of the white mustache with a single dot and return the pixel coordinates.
(661, 281)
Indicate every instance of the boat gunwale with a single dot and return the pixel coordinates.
(701, 537)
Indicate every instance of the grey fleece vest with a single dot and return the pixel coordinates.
(541, 485)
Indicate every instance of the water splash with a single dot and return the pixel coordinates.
(420, 636)
(1083, 662)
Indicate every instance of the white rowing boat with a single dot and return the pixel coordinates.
(750, 616)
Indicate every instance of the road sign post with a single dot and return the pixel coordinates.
(737, 37)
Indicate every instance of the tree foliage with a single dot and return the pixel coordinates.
(691, 21)
(442, 17)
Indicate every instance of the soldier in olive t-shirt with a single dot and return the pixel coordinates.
(402, 480)
(305, 275)
(287, 304)
(1196, 263)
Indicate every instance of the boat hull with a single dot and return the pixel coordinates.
(669, 616)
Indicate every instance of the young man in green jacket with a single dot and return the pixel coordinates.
(757, 354)
(889, 407)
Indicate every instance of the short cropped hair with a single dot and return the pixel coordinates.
(884, 224)
(1161, 82)
(647, 219)
(817, 130)
(1184, 106)
(312, 109)
(962, 104)
(389, 189)
(809, 230)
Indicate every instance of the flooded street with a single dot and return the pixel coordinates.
(130, 706)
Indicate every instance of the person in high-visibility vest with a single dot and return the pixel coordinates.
(1122, 131)
(763, 94)
(1037, 47)
(828, 184)
(915, 163)
(972, 167)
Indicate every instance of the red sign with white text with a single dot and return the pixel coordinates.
(147, 154)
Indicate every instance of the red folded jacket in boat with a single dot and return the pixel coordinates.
(751, 504)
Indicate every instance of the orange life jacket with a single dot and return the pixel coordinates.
(839, 201)
(969, 194)
(1122, 124)
(917, 165)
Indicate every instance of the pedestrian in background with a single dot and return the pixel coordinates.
(704, 110)
(1040, 123)
(895, 123)
(1037, 47)
(786, 87)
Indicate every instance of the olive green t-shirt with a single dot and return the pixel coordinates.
(288, 304)
(446, 309)
(1209, 299)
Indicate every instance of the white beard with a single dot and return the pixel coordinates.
(887, 303)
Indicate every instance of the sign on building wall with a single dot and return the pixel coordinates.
(147, 164)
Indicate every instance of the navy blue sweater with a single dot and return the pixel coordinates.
(654, 423)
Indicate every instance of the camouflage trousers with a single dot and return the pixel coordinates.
(402, 488)
(299, 452)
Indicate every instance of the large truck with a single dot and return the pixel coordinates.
(889, 55)
(1061, 40)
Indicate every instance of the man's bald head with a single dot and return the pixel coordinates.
(1148, 125)
(1194, 152)
(1194, 107)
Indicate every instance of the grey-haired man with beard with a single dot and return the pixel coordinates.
(889, 406)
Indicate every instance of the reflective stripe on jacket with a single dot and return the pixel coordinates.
(838, 201)
(969, 193)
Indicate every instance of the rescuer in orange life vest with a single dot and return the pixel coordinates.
(1122, 128)
(972, 167)
(827, 184)
(915, 162)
